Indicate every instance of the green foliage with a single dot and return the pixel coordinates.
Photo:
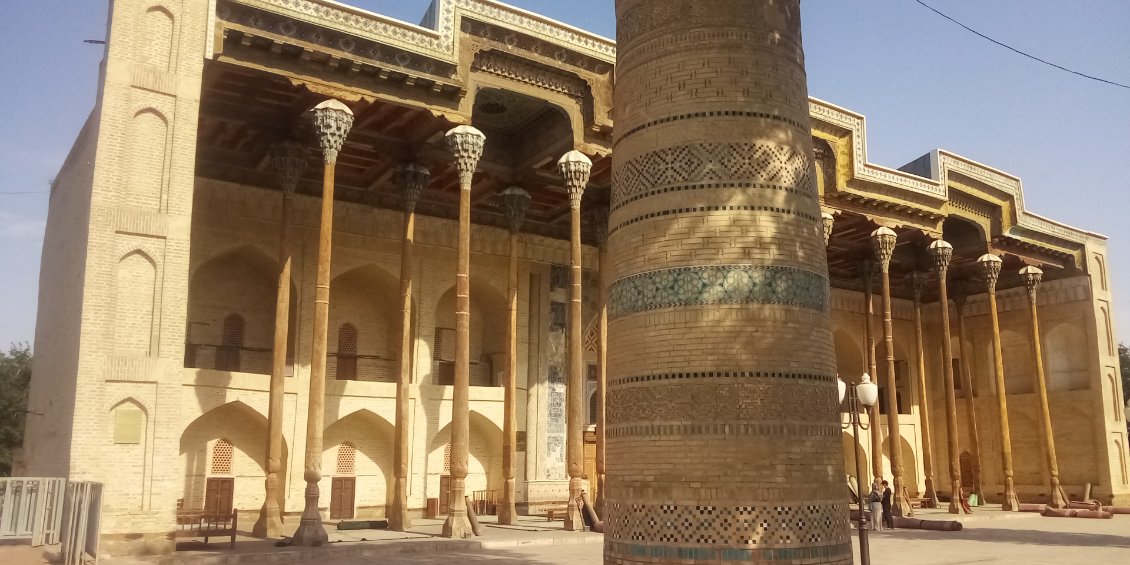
(15, 374)
(1124, 363)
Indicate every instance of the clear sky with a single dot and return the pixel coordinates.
(921, 81)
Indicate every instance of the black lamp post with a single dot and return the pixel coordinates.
(864, 394)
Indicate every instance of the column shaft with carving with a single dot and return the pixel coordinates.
(575, 168)
(288, 158)
(965, 354)
(942, 252)
(411, 180)
(918, 285)
(332, 121)
(1032, 277)
(517, 201)
(884, 240)
(872, 369)
(991, 265)
(466, 143)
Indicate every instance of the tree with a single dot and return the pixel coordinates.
(15, 374)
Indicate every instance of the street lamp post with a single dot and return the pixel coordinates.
(865, 394)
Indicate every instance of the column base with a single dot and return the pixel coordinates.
(269, 524)
(507, 512)
(457, 526)
(931, 494)
(398, 518)
(310, 531)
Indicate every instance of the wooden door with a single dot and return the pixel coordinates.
(218, 496)
(444, 494)
(590, 465)
(341, 498)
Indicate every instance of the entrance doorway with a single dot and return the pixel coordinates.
(342, 491)
(218, 496)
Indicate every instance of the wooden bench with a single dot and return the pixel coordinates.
(197, 523)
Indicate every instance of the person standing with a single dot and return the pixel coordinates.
(888, 517)
(875, 500)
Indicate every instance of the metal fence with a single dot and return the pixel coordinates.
(82, 517)
(31, 508)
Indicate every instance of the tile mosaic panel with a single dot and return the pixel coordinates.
(717, 284)
(750, 526)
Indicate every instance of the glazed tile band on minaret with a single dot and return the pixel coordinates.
(723, 437)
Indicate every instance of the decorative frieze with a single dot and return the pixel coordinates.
(717, 284)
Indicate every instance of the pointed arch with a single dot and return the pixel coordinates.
(135, 294)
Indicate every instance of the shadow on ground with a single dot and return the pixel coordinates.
(1024, 537)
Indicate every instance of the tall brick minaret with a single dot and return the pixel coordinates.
(723, 430)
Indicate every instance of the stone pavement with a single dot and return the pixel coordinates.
(990, 537)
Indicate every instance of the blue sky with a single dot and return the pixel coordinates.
(921, 81)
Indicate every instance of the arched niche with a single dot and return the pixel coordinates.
(135, 295)
(484, 461)
(242, 282)
(372, 438)
(365, 297)
(487, 335)
(1065, 351)
(128, 448)
(246, 430)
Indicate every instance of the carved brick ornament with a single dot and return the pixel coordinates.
(941, 252)
(991, 267)
(1032, 277)
(412, 179)
(575, 168)
(516, 201)
(883, 240)
(288, 159)
(332, 122)
(466, 144)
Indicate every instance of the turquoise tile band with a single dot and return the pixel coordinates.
(717, 284)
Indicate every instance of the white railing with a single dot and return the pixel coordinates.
(82, 518)
(30, 508)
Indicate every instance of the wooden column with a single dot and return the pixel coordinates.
(884, 240)
(991, 266)
(332, 121)
(466, 144)
(964, 353)
(600, 233)
(918, 285)
(942, 252)
(411, 180)
(575, 169)
(288, 159)
(517, 201)
(872, 370)
(1032, 277)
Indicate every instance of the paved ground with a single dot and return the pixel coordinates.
(989, 537)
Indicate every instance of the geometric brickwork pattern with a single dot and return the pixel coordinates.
(346, 459)
(718, 284)
(710, 162)
(719, 208)
(775, 525)
(221, 457)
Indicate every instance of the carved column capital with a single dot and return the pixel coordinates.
(412, 179)
(918, 283)
(332, 122)
(941, 252)
(827, 220)
(516, 201)
(598, 224)
(288, 159)
(575, 168)
(1032, 277)
(991, 267)
(883, 241)
(466, 144)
